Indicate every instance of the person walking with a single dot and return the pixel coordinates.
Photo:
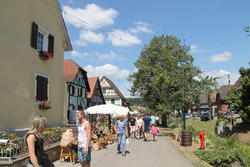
(147, 125)
(139, 126)
(84, 137)
(34, 140)
(154, 132)
(122, 132)
(132, 124)
(153, 119)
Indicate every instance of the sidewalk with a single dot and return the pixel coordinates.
(146, 154)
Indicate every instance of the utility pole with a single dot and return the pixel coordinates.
(183, 87)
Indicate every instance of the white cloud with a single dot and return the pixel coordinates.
(123, 38)
(140, 27)
(91, 37)
(92, 17)
(221, 57)
(195, 49)
(108, 70)
(80, 43)
(77, 54)
(223, 76)
(110, 56)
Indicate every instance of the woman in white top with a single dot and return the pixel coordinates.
(139, 126)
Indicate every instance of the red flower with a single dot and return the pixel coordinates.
(45, 106)
(43, 102)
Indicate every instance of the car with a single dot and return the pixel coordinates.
(187, 116)
(205, 116)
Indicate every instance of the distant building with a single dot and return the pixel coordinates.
(111, 93)
(204, 102)
(95, 96)
(77, 87)
(221, 101)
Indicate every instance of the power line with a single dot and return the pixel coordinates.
(86, 23)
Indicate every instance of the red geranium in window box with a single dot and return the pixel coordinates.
(45, 55)
(45, 105)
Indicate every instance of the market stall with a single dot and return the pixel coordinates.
(101, 136)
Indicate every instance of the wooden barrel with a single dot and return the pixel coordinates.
(186, 138)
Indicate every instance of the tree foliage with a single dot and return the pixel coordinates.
(240, 99)
(136, 101)
(159, 79)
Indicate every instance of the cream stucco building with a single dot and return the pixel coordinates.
(27, 27)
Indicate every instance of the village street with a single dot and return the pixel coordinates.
(146, 154)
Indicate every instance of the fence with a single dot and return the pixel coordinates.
(12, 148)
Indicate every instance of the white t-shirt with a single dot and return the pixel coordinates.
(139, 122)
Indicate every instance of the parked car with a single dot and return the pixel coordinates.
(187, 116)
(205, 116)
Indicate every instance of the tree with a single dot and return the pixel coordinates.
(245, 92)
(239, 99)
(159, 79)
(247, 30)
(233, 99)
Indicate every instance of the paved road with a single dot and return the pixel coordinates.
(146, 154)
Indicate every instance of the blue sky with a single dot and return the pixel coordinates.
(108, 35)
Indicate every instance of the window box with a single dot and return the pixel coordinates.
(45, 55)
(45, 105)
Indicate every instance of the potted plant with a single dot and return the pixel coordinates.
(45, 55)
(45, 105)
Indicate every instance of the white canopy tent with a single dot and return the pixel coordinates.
(111, 109)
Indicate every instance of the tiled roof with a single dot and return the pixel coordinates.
(92, 85)
(114, 87)
(204, 98)
(237, 84)
(224, 91)
(71, 69)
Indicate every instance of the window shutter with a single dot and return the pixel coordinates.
(51, 44)
(42, 88)
(34, 35)
(39, 88)
(45, 89)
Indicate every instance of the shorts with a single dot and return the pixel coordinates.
(132, 129)
(147, 130)
(84, 157)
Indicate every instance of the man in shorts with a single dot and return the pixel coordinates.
(84, 137)
(132, 124)
(147, 126)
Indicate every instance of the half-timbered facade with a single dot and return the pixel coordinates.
(95, 96)
(111, 93)
(77, 86)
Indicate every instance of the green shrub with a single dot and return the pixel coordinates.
(217, 157)
(242, 151)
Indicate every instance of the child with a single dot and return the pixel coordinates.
(154, 132)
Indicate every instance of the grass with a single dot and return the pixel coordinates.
(199, 125)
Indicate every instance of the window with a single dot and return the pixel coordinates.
(42, 88)
(104, 91)
(112, 101)
(41, 39)
(71, 90)
(79, 92)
